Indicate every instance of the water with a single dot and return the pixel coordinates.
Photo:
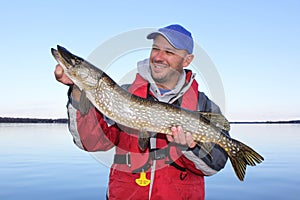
(278, 177)
(40, 161)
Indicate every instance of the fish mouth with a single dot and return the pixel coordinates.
(64, 57)
(55, 53)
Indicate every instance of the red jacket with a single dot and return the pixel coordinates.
(172, 175)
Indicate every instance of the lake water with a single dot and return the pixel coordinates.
(40, 161)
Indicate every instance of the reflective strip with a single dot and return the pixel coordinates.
(199, 163)
(153, 146)
(152, 178)
(73, 126)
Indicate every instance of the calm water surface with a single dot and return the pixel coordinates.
(40, 161)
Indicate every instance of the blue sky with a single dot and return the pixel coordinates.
(254, 45)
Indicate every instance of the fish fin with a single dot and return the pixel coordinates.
(143, 139)
(205, 150)
(84, 103)
(217, 119)
(245, 156)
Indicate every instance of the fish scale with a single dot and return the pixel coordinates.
(145, 115)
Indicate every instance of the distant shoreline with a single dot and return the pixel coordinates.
(64, 121)
(32, 120)
(268, 122)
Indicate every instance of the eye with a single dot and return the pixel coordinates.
(170, 52)
(155, 49)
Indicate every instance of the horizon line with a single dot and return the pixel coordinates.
(65, 120)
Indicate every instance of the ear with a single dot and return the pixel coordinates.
(187, 60)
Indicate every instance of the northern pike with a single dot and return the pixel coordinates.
(145, 115)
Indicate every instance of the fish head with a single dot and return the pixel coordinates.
(82, 73)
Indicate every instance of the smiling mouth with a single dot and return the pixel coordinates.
(160, 66)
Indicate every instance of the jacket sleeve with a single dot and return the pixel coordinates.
(199, 159)
(90, 130)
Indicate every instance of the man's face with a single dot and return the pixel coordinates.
(166, 63)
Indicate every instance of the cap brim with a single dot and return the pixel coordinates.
(154, 34)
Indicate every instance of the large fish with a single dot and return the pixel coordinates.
(145, 116)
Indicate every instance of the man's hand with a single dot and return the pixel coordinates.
(61, 76)
(178, 136)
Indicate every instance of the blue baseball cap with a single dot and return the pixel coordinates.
(178, 37)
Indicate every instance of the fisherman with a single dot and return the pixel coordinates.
(171, 166)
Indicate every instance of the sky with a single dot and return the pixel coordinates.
(254, 46)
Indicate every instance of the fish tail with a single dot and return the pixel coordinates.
(243, 157)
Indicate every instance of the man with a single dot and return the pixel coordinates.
(171, 167)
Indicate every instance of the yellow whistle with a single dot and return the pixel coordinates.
(142, 181)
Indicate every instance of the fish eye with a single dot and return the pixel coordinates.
(73, 61)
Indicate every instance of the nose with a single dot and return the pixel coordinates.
(159, 56)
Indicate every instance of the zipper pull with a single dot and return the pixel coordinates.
(142, 181)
